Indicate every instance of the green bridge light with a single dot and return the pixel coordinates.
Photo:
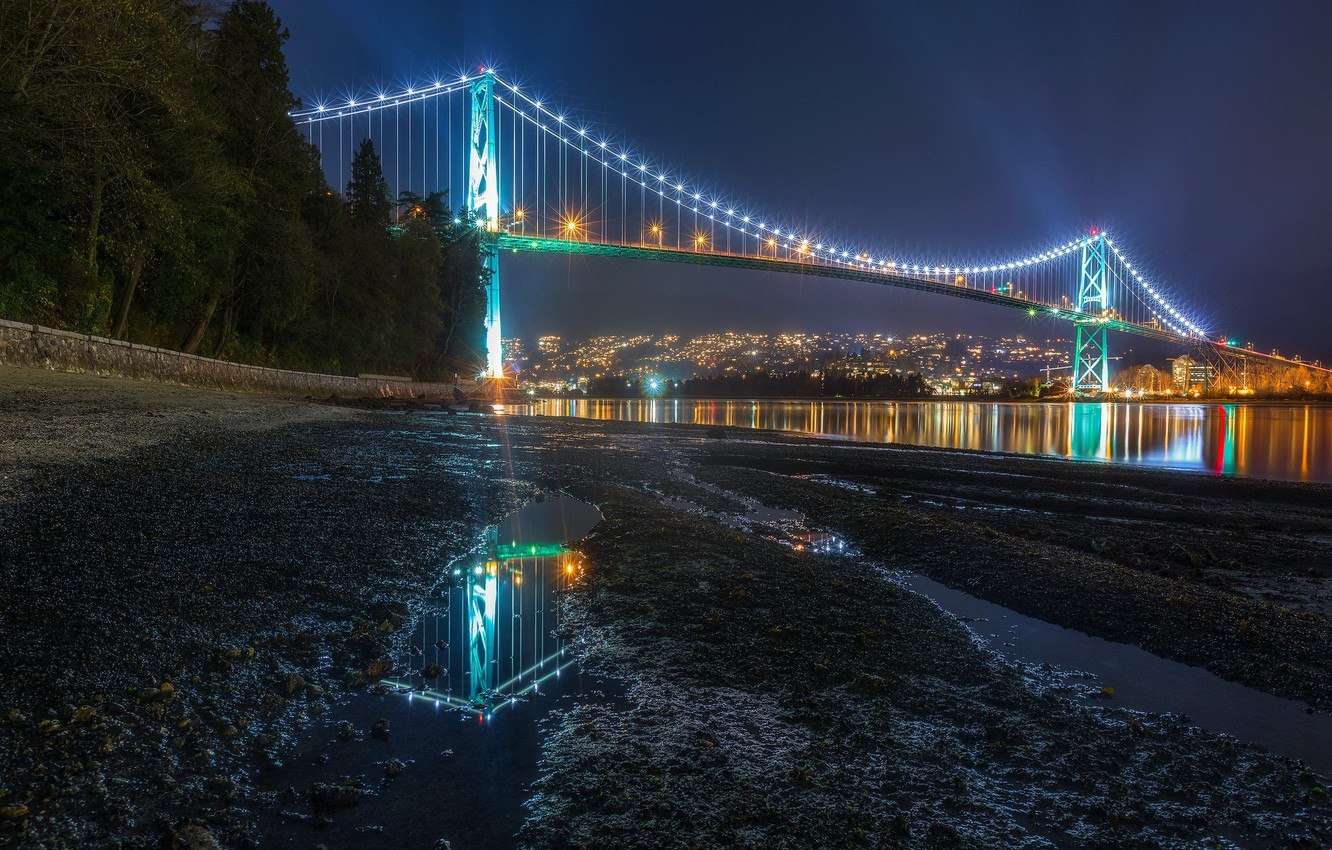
(509, 552)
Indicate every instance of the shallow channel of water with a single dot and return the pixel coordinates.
(484, 665)
(1143, 681)
(1137, 679)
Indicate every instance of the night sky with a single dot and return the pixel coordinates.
(1200, 134)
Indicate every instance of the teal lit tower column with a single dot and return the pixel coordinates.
(482, 598)
(483, 202)
(1091, 355)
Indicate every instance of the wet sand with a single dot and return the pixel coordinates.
(184, 602)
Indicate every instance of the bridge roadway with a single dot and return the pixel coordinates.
(546, 245)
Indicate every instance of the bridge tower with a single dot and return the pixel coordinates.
(483, 196)
(1091, 355)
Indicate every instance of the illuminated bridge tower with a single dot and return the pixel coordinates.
(1091, 356)
(483, 196)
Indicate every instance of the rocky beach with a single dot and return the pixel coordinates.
(198, 584)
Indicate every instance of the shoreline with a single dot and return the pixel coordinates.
(773, 434)
(1254, 402)
(1145, 459)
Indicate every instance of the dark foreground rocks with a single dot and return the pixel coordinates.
(1232, 575)
(169, 617)
(173, 615)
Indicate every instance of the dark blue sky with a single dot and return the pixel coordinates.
(1199, 133)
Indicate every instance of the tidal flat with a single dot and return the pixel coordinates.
(189, 617)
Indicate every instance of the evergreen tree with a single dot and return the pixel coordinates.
(368, 196)
(153, 186)
(273, 283)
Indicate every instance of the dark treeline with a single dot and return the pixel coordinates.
(153, 188)
(800, 384)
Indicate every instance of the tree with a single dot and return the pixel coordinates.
(1144, 378)
(461, 345)
(273, 281)
(153, 186)
(102, 91)
(368, 198)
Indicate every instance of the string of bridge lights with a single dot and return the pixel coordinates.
(1156, 296)
(327, 111)
(623, 163)
(712, 208)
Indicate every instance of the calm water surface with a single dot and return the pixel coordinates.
(1145, 682)
(1289, 442)
(484, 665)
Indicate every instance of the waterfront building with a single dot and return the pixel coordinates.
(1189, 375)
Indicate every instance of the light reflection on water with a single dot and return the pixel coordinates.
(463, 778)
(1289, 442)
(497, 637)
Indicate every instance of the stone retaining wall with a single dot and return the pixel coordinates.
(63, 351)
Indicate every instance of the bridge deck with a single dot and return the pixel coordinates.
(545, 245)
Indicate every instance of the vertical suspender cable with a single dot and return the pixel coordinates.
(449, 145)
(522, 165)
(538, 174)
(397, 150)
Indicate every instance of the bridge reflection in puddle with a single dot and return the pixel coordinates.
(494, 634)
(496, 637)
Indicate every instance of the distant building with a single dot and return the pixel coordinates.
(1188, 374)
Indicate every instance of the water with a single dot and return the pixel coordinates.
(1143, 681)
(1287, 442)
(498, 639)
(484, 664)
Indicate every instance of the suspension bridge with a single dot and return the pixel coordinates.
(536, 179)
